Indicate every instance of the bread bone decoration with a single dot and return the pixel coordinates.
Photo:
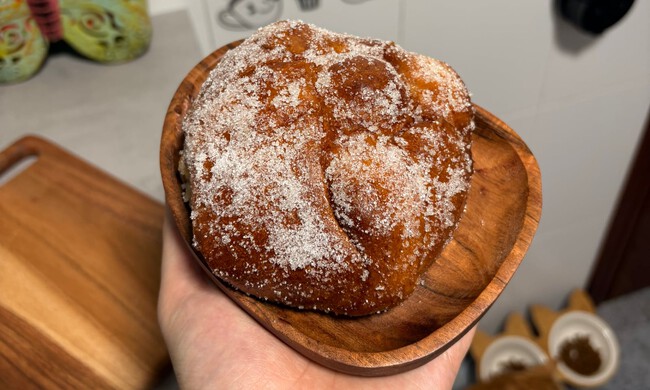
(326, 171)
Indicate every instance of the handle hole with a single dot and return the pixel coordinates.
(17, 168)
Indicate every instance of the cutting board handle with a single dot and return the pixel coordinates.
(13, 160)
(24, 147)
(17, 153)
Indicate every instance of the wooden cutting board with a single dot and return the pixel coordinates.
(79, 276)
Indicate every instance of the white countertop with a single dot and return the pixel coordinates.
(110, 115)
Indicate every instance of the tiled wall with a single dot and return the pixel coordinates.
(579, 102)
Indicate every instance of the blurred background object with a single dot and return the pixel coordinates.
(594, 16)
(102, 30)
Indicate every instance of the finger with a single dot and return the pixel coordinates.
(458, 351)
(451, 359)
(183, 278)
(175, 251)
(180, 274)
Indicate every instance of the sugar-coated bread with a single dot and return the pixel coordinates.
(326, 171)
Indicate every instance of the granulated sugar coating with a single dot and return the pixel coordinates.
(326, 171)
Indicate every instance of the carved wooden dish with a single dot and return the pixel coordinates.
(502, 214)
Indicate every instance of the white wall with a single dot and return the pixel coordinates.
(157, 7)
(579, 102)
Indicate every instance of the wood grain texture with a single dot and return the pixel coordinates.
(80, 257)
(502, 214)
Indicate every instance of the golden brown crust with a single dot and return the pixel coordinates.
(326, 171)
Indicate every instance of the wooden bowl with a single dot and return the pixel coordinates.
(502, 214)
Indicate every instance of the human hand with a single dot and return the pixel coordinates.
(215, 344)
